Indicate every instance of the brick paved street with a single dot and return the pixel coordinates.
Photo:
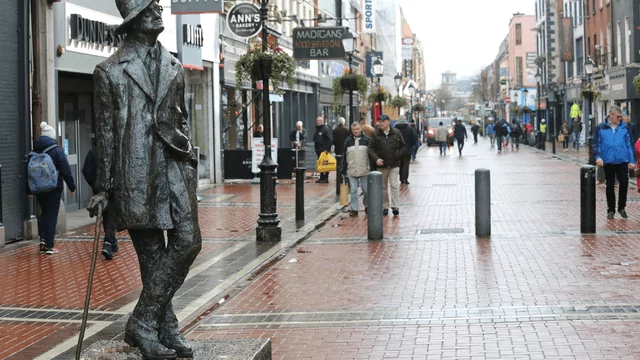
(42, 298)
(537, 289)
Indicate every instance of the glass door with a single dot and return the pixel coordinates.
(69, 136)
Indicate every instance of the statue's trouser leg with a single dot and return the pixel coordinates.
(163, 270)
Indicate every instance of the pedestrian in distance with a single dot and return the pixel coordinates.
(417, 144)
(475, 128)
(612, 150)
(530, 131)
(90, 173)
(543, 134)
(385, 149)
(410, 138)
(339, 135)
(491, 132)
(516, 133)
(460, 134)
(442, 138)
(47, 171)
(576, 131)
(501, 131)
(259, 131)
(565, 131)
(366, 128)
(298, 136)
(506, 135)
(322, 141)
(356, 165)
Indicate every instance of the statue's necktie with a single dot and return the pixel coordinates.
(151, 63)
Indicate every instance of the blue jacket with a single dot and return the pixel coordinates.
(490, 130)
(59, 160)
(613, 147)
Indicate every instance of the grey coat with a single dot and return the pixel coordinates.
(145, 161)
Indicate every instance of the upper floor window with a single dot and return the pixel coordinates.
(518, 34)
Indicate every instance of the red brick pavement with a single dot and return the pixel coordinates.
(48, 284)
(536, 289)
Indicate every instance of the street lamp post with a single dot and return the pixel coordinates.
(397, 81)
(588, 69)
(526, 93)
(349, 43)
(268, 222)
(412, 91)
(538, 91)
(442, 107)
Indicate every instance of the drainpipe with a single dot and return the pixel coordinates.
(36, 97)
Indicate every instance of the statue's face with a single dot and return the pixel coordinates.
(149, 22)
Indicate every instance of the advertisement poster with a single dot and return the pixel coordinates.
(258, 153)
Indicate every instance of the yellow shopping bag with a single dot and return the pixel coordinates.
(344, 194)
(326, 162)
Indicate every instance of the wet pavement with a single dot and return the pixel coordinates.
(536, 289)
(41, 305)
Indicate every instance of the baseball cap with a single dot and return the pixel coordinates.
(384, 117)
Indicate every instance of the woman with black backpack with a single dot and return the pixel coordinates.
(516, 133)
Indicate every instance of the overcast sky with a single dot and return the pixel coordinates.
(461, 35)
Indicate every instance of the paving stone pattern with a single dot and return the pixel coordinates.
(536, 289)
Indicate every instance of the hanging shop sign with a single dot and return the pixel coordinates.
(243, 20)
(369, 18)
(319, 43)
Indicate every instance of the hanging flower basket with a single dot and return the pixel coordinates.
(379, 96)
(524, 110)
(398, 102)
(418, 108)
(278, 65)
(636, 83)
(591, 91)
(348, 81)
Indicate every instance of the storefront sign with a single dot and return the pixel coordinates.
(196, 6)
(369, 19)
(532, 68)
(190, 41)
(243, 20)
(408, 68)
(258, 153)
(566, 42)
(93, 32)
(407, 48)
(372, 56)
(319, 43)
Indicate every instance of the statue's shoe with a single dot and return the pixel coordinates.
(151, 349)
(178, 343)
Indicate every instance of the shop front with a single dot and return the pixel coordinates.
(624, 94)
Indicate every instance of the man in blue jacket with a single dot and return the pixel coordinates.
(612, 150)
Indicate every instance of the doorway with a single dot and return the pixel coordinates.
(76, 125)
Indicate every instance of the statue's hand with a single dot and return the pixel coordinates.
(97, 201)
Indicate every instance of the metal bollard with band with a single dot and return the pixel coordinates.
(374, 206)
(300, 175)
(483, 202)
(588, 200)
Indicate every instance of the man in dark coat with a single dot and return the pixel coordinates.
(89, 171)
(340, 135)
(385, 149)
(460, 134)
(322, 142)
(146, 172)
(410, 138)
(475, 128)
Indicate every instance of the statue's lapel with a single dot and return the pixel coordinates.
(168, 72)
(136, 70)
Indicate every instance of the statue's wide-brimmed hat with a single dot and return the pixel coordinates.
(129, 9)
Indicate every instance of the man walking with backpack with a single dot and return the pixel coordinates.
(47, 167)
(516, 133)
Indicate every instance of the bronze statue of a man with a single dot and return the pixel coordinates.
(146, 172)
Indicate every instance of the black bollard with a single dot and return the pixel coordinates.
(483, 202)
(588, 200)
(338, 173)
(374, 206)
(300, 175)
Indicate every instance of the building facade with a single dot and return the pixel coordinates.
(15, 133)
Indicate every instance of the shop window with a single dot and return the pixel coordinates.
(198, 103)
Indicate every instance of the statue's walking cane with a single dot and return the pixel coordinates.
(87, 300)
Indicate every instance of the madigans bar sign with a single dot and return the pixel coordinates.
(94, 32)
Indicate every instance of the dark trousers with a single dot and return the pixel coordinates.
(163, 269)
(323, 176)
(405, 160)
(611, 173)
(475, 138)
(460, 145)
(108, 224)
(499, 142)
(50, 205)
